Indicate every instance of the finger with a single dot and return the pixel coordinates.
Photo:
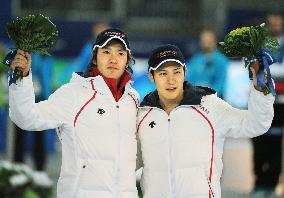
(19, 64)
(21, 52)
(254, 77)
(28, 57)
(21, 58)
(253, 72)
(21, 69)
(265, 77)
(19, 61)
(255, 66)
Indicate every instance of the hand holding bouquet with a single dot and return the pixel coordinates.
(256, 46)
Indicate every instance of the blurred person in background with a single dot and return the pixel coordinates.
(42, 75)
(85, 54)
(209, 67)
(182, 128)
(95, 116)
(268, 147)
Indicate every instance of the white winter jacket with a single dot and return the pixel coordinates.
(96, 132)
(182, 151)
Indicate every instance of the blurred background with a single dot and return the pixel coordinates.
(148, 23)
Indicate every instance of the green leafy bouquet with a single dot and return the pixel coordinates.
(33, 34)
(20, 181)
(252, 44)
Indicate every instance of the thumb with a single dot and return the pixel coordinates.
(254, 77)
(28, 57)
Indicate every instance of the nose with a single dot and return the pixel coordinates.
(113, 58)
(171, 79)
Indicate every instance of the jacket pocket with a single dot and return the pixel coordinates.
(192, 182)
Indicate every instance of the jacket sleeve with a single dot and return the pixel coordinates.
(249, 123)
(47, 114)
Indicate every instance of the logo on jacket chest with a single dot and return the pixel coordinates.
(204, 109)
(101, 111)
(152, 124)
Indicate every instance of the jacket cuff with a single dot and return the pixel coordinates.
(260, 95)
(24, 82)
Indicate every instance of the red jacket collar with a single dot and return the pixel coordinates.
(111, 82)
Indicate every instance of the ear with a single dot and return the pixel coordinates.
(185, 70)
(94, 61)
(151, 77)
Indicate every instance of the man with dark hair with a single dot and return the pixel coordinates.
(182, 129)
(95, 117)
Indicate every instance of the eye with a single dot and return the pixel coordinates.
(177, 72)
(162, 73)
(106, 52)
(122, 53)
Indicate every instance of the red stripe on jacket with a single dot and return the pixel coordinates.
(212, 147)
(136, 103)
(138, 126)
(82, 108)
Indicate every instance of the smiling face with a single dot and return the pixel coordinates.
(169, 79)
(112, 60)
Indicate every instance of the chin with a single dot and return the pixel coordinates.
(169, 97)
(111, 76)
(173, 96)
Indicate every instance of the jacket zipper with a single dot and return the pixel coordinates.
(210, 188)
(171, 173)
(119, 154)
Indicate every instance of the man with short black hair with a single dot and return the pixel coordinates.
(182, 128)
(95, 114)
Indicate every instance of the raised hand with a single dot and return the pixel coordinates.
(22, 62)
(254, 69)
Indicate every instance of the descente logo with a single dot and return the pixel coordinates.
(100, 111)
(152, 124)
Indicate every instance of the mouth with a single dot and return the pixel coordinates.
(112, 68)
(172, 89)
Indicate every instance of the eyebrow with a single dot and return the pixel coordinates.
(177, 68)
(120, 49)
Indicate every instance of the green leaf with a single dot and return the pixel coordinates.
(247, 41)
(32, 33)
